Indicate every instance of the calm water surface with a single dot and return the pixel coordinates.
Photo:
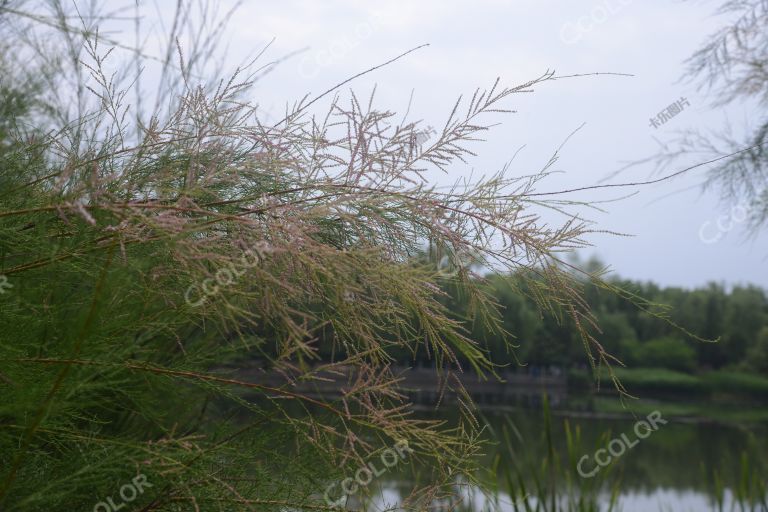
(670, 470)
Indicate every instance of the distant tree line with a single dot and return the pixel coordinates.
(732, 321)
(736, 317)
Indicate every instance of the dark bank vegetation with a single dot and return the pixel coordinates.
(659, 356)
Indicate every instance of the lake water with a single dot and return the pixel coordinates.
(672, 468)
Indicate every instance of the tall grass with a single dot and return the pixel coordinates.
(747, 491)
(546, 479)
(548, 482)
(109, 214)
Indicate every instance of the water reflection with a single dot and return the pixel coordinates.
(674, 469)
(473, 500)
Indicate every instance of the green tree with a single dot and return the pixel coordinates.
(670, 353)
(757, 355)
(148, 255)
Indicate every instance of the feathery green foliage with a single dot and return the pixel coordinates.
(148, 253)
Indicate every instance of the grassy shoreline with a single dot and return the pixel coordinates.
(716, 385)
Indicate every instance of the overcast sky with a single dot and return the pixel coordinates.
(676, 239)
